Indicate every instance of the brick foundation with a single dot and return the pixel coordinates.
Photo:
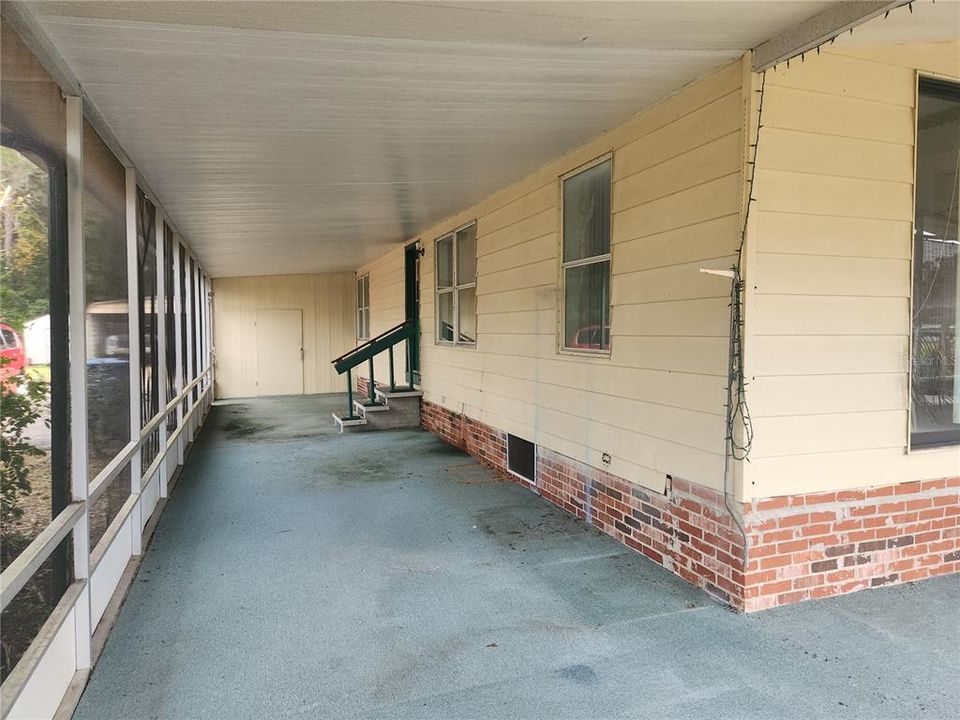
(362, 390)
(801, 546)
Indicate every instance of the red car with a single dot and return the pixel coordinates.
(591, 337)
(11, 350)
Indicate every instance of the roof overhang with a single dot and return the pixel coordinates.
(287, 137)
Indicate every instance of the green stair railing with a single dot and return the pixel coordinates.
(406, 331)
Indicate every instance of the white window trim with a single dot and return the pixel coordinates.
(361, 308)
(453, 290)
(564, 266)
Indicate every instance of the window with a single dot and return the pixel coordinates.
(521, 457)
(457, 286)
(935, 372)
(363, 307)
(8, 341)
(586, 258)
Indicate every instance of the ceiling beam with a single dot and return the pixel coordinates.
(821, 28)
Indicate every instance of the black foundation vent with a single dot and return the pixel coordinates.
(521, 457)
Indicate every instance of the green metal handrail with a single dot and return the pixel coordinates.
(406, 331)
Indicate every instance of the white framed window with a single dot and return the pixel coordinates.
(585, 257)
(363, 307)
(456, 282)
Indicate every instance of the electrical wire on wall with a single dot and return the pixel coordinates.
(738, 444)
(739, 426)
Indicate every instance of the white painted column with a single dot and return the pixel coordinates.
(956, 348)
(187, 434)
(79, 482)
(178, 301)
(134, 308)
(160, 351)
(208, 300)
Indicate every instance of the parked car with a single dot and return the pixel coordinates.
(591, 337)
(12, 351)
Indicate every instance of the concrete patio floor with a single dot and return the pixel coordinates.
(297, 573)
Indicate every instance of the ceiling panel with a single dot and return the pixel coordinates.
(305, 137)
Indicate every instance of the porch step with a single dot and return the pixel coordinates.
(345, 423)
(399, 408)
(386, 395)
(362, 408)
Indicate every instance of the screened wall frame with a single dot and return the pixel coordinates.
(455, 287)
(947, 88)
(363, 306)
(69, 527)
(598, 341)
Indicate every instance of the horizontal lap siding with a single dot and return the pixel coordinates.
(327, 303)
(386, 311)
(656, 404)
(829, 317)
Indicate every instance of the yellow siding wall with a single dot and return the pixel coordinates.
(830, 260)
(329, 327)
(386, 310)
(656, 404)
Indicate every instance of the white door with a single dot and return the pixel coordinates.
(279, 344)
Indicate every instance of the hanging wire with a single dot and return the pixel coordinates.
(738, 412)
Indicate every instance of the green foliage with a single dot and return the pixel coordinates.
(18, 410)
(24, 262)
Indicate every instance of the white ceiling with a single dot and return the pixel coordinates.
(307, 137)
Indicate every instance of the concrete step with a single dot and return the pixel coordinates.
(361, 408)
(349, 424)
(387, 395)
(397, 409)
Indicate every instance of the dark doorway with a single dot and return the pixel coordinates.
(411, 285)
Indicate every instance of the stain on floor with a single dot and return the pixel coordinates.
(298, 573)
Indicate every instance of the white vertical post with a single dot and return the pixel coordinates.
(187, 315)
(78, 376)
(135, 307)
(208, 323)
(956, 341)
(161, 349)
(178, 301)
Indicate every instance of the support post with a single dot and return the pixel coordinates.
(349, 393)
(79, 479)
(393, 384)
(371, 390)
(134, 307)
(160, 321)
(409, 368)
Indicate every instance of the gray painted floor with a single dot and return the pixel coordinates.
(301, 574)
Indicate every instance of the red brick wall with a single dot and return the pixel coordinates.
(363, 388)
(687, 530)
(800, 547)
(487, 445)
(823, 544)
